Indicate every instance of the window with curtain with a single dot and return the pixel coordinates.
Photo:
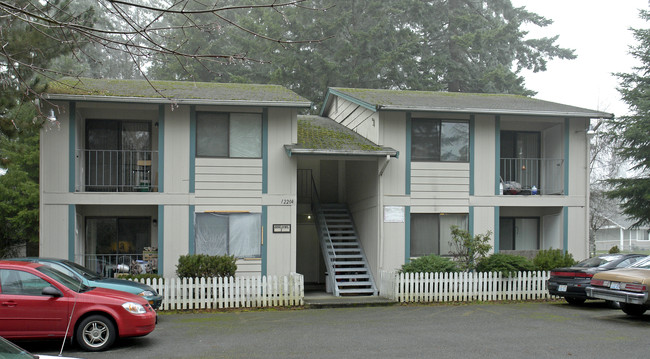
(434, 140)
(234, 135)
(431, 232)
(237, 234)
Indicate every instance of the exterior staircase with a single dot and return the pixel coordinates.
(348, 270)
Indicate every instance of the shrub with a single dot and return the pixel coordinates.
(202, 265)
(505, 263)
(548, 259)
(614, 249)
(429, 264)
(468, 250)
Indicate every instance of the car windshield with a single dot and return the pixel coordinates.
(10, 351)
(85, 272)
(64, 279)
(597, 261)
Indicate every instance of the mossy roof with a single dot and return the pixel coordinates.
(437, 101)
(172, 91)
(324, 136)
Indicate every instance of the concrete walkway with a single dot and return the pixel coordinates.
(318, 300)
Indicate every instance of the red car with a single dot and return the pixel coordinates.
(37, 301)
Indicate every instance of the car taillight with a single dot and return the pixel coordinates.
(633, 287)
(598, 282)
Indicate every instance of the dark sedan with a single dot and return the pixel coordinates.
(570, 282)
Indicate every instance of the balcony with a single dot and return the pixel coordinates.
(520, 175)
(118, 170)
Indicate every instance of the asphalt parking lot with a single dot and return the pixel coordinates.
(477, 330)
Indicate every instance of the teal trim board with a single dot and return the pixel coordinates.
(191, 246)
(354, 100)
(497, 152)
(566, 156)
(471, 221)
(264, 240)
(265, 150)
(565, 229)
(71, 231)
(192, 147)
(472, 160)
(72, 133)
(497, 232)
(161, 148)
(161, 239)
(407, 234)
(407, 154)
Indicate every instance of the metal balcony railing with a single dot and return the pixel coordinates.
(107, 265)
(118, 170)
(532, 176)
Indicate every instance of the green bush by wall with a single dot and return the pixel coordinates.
(202, 265)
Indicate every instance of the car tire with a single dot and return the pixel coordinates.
(96, 333)
(574, 300)
(635, 310)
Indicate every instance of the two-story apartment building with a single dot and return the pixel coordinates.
(378, 178)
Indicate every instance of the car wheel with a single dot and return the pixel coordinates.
(96, 333)
(633, 309)
(574, 300)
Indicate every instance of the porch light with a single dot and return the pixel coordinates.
(523, 168)
(51, 116)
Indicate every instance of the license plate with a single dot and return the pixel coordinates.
(561, 288)
(615, 285)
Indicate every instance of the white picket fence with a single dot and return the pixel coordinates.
(463, 287)
(229, 292)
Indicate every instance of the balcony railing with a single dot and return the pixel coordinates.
(532, 176)
(118, 170)
(108, 265)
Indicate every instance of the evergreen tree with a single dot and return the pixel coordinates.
(19, 156)
(455, 45)
(632, 132)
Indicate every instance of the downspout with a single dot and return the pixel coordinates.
(383, 168)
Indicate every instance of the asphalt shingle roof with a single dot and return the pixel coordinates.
(173, 91)
(401, 100)
(324, 136)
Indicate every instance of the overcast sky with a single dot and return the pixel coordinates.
(598, 31)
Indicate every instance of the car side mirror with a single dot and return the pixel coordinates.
(51, 291)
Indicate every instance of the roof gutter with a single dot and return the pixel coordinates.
(292, 151)
(149, 100)
(497, 111)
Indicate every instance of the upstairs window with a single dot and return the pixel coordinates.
(434, 140)
(232, 135)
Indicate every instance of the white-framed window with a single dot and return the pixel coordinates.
(237, 234)
(232, 135)
(431, 232)
(436, 140)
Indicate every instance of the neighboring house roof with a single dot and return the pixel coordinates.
(323, 136)
(178, 92)
(431, 101)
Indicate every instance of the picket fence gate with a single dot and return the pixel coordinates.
(463, 287)
(229, 292)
